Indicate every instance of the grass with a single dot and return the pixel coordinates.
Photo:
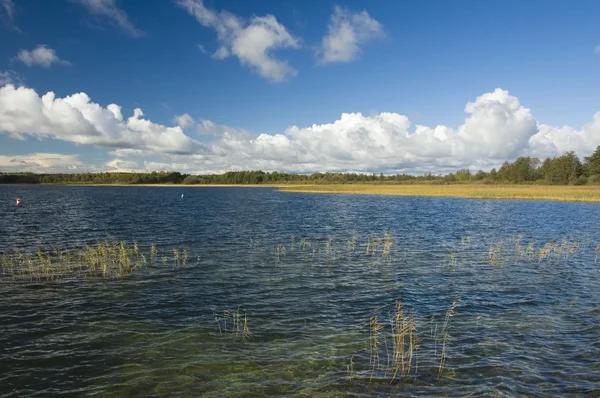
(105, 260)
(395, 337)
(238, 324)
(475, 191)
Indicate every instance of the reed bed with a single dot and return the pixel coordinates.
(104, 260)
(475, 191)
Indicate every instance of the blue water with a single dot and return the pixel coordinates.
(296, 266)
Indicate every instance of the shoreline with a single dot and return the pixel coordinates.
(563, 193)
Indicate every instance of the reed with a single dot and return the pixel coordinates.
(375, 329)
(105, 260)
(404, 341)
(521, 192)
(387, 245)
(280, 252)
(351, 245)
(238, 321)
(399, 339)
(175, 256)
(445, 335)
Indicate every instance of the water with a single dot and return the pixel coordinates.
(523, 325)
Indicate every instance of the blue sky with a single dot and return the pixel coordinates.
(399, 64)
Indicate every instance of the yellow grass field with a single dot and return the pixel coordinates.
(522, 192)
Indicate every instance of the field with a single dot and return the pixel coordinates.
(522, 192)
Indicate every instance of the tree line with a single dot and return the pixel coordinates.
(562, 170)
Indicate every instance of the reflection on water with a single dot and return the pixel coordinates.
(305, 273)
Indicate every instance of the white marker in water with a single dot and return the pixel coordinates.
(18, 201)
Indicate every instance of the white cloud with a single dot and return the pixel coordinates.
(554, 141)
(42, 56)
(109, 10)
(40, 162)
(208, 127)
(202, 49)
(184, 121)
(10, 77)
(120, 165)
(346, 32)
(79, 120)
(497, 128)
(251, 41)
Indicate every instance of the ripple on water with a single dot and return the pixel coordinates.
(522, 327)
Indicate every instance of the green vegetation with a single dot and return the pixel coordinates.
(562, 170)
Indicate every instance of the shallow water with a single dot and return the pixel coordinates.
(524, 325)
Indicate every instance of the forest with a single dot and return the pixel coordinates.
(562, 170)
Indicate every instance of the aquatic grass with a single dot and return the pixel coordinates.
(351, 245)
(405, 347)
(238, 322)
(387, 245)
(404, 341)
(105, 260)
(375, 329)
(280, 252)
(445, 336)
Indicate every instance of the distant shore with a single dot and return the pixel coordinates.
(564, 193)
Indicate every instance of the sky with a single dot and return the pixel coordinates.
(298, 86)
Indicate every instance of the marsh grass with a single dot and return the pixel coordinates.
(396, 347)
(475, 191)
(105, 260)
(234, 324)
(446, 335)
(467, 250)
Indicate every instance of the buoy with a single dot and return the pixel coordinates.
(18, 201)
(181, 196)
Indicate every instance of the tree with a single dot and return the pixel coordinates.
(565, 169)
(592, 163)
(463, 175)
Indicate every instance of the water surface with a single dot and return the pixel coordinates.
(296, 266)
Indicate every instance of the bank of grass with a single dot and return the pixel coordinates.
(476, 191)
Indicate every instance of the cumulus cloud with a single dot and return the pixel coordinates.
(40, 162)
(251, 41)
(346, 32)
(42, 56)
(77, 119)
(496, 128)
(554, 141)
(108, 9)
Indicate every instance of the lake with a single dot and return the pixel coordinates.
(300, 295)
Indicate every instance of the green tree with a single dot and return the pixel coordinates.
(592, 163)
